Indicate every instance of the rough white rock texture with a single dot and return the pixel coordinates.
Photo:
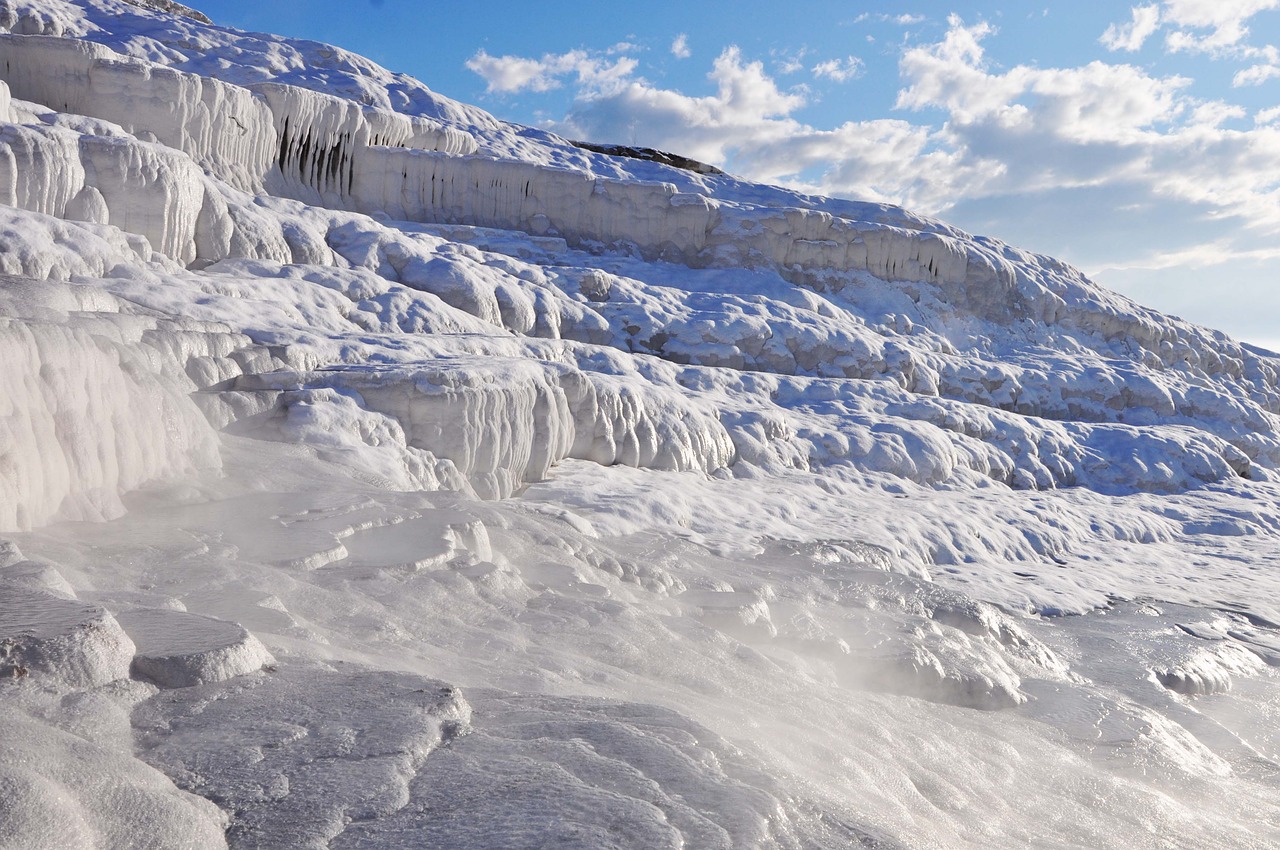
(501, 424)
(176, 649)
(350, 746)
(622, 775)
(173, 8)
(140, 188)
(332, 151)
(726, 506)
(126, 172)
(69, 780)
(47, 248)
(34, 575)
(222, 128)
(94, 403)
(10, 554)
(320, 138)
(329, 150)
(58, 641)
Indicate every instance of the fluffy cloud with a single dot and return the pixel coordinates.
(1216, 27)
(839, 70)
(1225, 19)
(1107, 164)
(1097, 102)
(513, 74)
(1131, 36)
(748, 125)
(1255, 75)
(680, 47)
(1266, 68)
(1267, 116)
(975, 139)
(748, 108)
(1095, 125)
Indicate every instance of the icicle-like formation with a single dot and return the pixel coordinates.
(324, 149)
(503, 423)
(662, 222)
(223, 128)
(91, 407)
(232, 132)
(320, 137)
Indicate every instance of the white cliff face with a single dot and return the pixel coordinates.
(329, 151)
(630, 507)
(222, 128)
(96, 403)
(503, 422)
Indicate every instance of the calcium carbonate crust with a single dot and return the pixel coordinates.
(744, 517)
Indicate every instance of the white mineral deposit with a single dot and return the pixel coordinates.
(374, 473)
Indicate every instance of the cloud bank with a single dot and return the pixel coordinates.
(1109, 163)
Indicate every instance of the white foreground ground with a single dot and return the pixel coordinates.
(377, 474)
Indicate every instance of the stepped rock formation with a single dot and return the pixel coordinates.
(376, 473)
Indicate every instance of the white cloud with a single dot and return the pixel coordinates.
(904, 20)
(748, 107)
(947, 74)
(680, 47)
(1142, 146)
(787, 63)
(1107, 164)
(513, 74)
(749, 126)
(1266, 68)
(1226, 18)
(1201, 256)
(1218, 28)
(1226, 22)
(1255, 75)
(1215, 113)
(839, 70)
(747, 89)
(1090, 103)
(1096, 125)
(1131, 36)
(1267, 116)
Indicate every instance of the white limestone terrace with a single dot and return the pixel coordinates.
(374, 472)
(832, 340)
(183, 189)
(173, 8)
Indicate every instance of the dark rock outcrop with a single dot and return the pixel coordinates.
(651, 155)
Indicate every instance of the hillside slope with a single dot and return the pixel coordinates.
(377, 473)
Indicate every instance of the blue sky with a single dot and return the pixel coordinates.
(1140, 142)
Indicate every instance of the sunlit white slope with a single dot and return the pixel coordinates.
(466, 488)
